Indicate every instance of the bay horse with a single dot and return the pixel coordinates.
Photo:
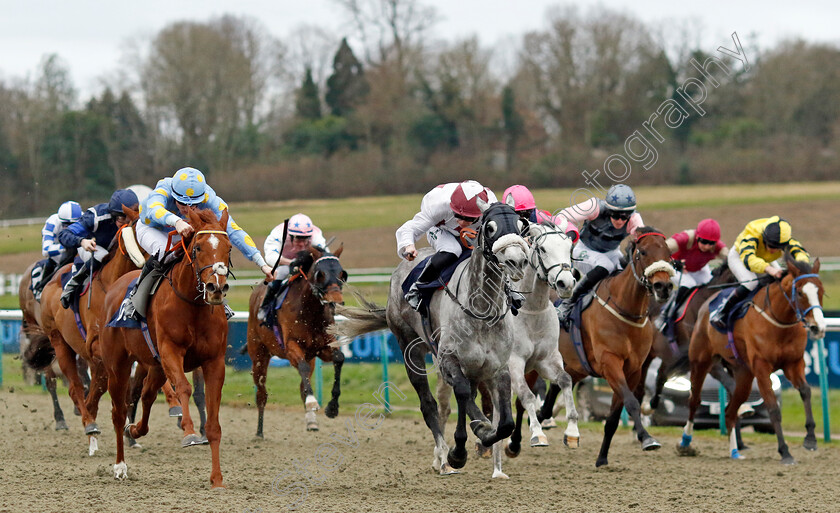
(37, 352)
(187, 329)
(771, 336)
(65, 335)
(470, 326)
(617, 335)
(300, 333)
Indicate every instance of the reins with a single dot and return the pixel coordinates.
(218, 268)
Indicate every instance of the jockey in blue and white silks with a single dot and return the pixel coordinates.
(165, 208)
(69, 212)
(91, 235)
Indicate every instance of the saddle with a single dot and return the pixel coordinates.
(575, 323)
(428, 290)
(270, 319)
(737, 312)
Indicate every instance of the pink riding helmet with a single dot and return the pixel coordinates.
(708, 229)
(300, 225)
(519, 197)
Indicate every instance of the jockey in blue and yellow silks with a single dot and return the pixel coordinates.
(756, 250)
(164, 209)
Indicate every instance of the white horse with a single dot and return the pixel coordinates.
(536, 330)
(470, 325)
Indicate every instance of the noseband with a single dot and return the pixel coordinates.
(537, 241)
(659, 265)
(316, 289)
(800, 315)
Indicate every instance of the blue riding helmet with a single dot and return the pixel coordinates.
(120, 198)
(621, 197)
(188, 185)
(69, 212)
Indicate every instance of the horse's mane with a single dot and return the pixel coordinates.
(303, 260)
(719, 270)
(646, 229)
(802, 267)
(207, 216)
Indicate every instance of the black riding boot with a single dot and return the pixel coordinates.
(271, 292)
(152, 264)
(75, 282)
(585, 285)
(719, 317)
(431, 272)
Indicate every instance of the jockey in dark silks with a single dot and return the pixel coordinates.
(605, 224)
(91, 235)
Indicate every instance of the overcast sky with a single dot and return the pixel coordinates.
(89, 35)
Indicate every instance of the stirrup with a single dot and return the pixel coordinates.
(229, 312)
(412, 297)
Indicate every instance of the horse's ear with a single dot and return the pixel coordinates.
(791, 264)
(816, 267)
(224, 219)
(130, 213)
(339, 250)
(315, 252)
(482, 205)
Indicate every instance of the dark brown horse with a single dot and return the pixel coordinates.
(187, 329)
(301, 330)
(771, 336)
(617, 335)
(66, 338)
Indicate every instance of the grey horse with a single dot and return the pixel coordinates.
(471, 326)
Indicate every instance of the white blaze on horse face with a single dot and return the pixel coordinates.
(214, 242)
(812, 293)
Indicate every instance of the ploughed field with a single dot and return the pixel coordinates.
(387, 468)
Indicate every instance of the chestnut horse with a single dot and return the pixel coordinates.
(772, 335)
(61, 326)
(617, 333)
(314, 288)
(187, 328)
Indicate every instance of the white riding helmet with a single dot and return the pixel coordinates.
(69, 212)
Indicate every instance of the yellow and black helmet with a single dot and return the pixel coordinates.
(777, 233)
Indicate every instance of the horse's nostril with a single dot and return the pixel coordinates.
(225, 288)
(211, 287)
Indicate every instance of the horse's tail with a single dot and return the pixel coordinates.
(40, 352)
(680, 365)
(359, 320)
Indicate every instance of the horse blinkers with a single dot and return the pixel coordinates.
(327, 283)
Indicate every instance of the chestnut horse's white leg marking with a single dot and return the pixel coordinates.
(120, 470)
(94, 446)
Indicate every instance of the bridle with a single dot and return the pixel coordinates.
(540, 266)
(659, 265)
(317, 290)
(794, 304)
(219, 268)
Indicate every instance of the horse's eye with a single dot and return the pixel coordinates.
(198, 247)
(491, 228)
(643, 252)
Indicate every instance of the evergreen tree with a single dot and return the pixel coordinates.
(308, 105)
(347, 87)
(512, 124)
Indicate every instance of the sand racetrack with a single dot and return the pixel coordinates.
(389, 470)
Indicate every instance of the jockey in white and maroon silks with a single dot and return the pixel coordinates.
(521, 199)
(605, 224)
(300, 236)
(444, 212)
(695, 249)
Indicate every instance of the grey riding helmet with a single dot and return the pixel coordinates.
(621, 198)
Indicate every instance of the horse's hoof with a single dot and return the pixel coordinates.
(548, 423)
(331, 411)
(60, 425)
(446, 470)
(92, 429)
(601, 462)
(455, 459)
(745, 410)
(650, 444)
(499, 474)
(93, 446)
(539, 441)
(686, 450)
(647, 409)
(176, 411)
(743, 447)
(76, 411)
(510, 452)
(809, 444)
(132, 443)
(788, 461)
(735, 455)
(483, 452)
(572, 442)
(191, 440)
(312, 426)
(120, 471)
(481, 426)
(311, 404)
(204, 440)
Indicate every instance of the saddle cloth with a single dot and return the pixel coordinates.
(427, 291)
(737, 312)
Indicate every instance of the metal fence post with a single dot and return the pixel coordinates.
(824, 390)
(383, 355)
(722, 414)
(319, 381)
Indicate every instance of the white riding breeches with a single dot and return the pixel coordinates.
(442, 240)
(153, 240)
(693, 279)
(590, 259)
(747, 278)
